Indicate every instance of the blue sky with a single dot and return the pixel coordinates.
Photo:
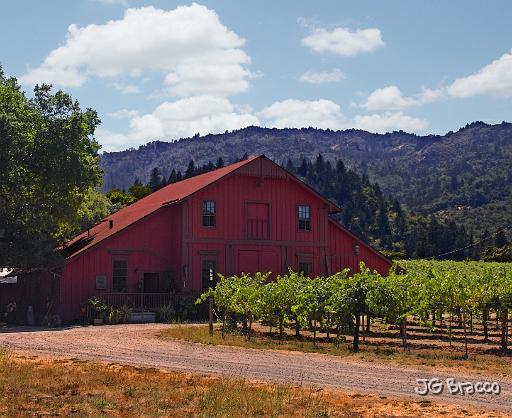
(165, 69)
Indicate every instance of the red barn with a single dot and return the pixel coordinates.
(246, 217)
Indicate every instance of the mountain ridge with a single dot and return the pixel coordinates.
(469, 168)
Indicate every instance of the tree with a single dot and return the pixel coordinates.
(49, 161)
(290, 167)
(95, 207)
(303, 169)
(155, 179)
(118, 197)
(173, 178)
(191, 169)
(138, 190)
(501, 239)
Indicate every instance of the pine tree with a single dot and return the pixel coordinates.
(501, 239)
(155, 179)
(319, 164)
(172, 177)
(209, 167)
(191, 168)
(303, 170)
(290, 167)
(220, 163)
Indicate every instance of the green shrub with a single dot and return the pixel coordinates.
(99, 307)
(166, 313)
(186, 308)
(119, 315)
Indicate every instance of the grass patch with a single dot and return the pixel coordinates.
(260, 340)
(35, 387)
(38, 387)
(373, 350)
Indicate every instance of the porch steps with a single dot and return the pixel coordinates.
(142, 317)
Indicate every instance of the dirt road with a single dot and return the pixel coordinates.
(140, 345)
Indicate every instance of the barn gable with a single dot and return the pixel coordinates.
(259, 166)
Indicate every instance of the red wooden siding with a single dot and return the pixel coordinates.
(150, 246)
(342, 252)
(256, 229)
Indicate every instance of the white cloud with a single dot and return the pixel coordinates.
(64, 76)
(214, 114)
(495, 78)
(113, 2)
(381, 123)
(179, 119)
(292, 113)
(126, 88)
(189, 45)
(321, 77)
(327, 114)
(123, 114)
(391, 98)
(341, 41)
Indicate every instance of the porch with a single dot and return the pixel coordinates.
(138, 302)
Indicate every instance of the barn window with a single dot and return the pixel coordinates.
(306, 267)
(208, 269)
(209, 213)
(304, 217)
(119, 275)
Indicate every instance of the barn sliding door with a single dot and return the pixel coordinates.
(263, 259)
(257, 219)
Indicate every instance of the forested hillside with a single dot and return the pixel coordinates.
(367, 212)
(464, 176)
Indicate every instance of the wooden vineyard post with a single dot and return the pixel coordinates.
(485, 317)
(210, 306)
(504, 329)
(210, 315)
(363, 329)
(466, 356)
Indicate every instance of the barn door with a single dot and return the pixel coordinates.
(270, 262)
(261, 260)
(247, 261)
(258, 225)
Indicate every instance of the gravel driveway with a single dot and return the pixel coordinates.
(140, 345)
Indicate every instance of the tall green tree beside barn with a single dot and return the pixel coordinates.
(48, 165)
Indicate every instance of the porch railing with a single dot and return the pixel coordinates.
(136, 301)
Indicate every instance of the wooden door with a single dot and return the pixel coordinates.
(258, 225)
(151, 282)
(262, 260)
(247, 261)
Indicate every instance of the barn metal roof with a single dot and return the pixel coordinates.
(125, 217)
(168, 195)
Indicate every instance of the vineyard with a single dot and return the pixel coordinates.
(443, 298)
